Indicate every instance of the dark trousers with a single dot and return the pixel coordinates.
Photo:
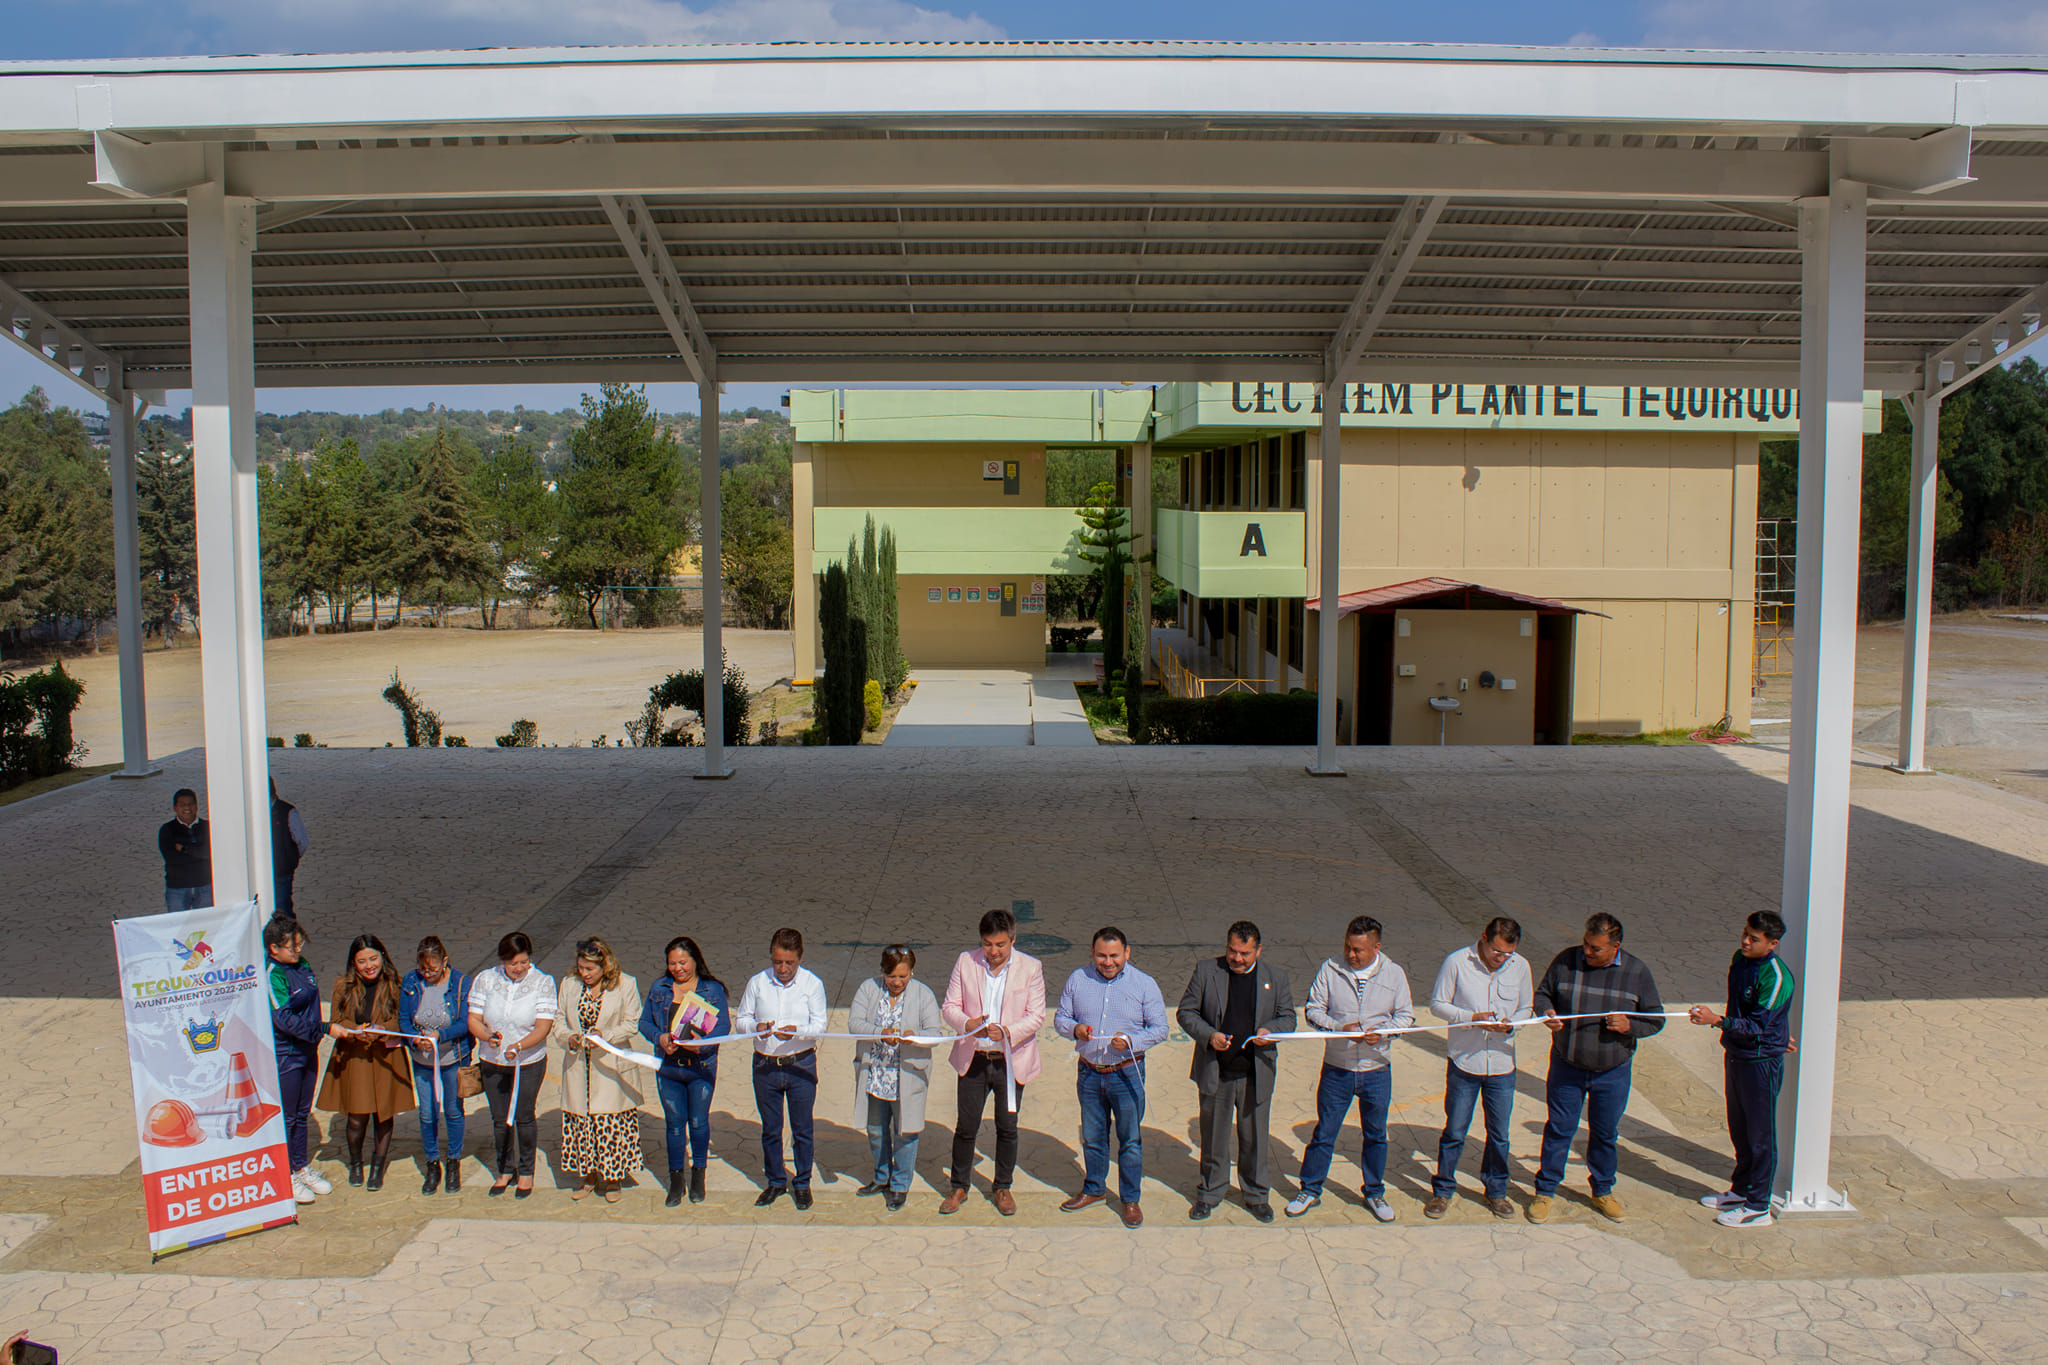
(985, 1077)
(1239, 1104)
(281, 889)
(1753, 1126)
(1336, 1088)
(1462, 1093)
(1601, 1095)
(517, 1138)
(297, 1081)
(791, 1081)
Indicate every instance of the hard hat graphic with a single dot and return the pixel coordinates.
(172, 1123)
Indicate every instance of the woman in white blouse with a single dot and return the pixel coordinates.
(511, 1010)
(890, 1078)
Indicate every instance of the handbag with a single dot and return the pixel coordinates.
(469, 1082)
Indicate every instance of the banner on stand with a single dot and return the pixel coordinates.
(195, 994)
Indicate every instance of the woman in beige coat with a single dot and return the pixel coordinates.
(600, 1092)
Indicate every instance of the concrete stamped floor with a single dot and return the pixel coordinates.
(1941, 1111)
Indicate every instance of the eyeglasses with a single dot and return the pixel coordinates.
(587, 948)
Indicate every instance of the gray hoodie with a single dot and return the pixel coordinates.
(1335, 1003)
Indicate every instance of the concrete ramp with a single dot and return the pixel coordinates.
(991, 708)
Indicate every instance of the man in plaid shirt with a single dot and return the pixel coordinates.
(1590, 1058)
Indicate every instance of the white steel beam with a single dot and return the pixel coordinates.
(1329, 488)
(1925, 410)
(1996, 341)
(145, 170)
(1832, 241)
(640, 235)
(1390, 266)
(713, 577)
(53, 341)
(222, 234)
(121, 456)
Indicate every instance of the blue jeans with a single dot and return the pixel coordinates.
(1106, 1097)
(1461, 1092)
(297, 1080)
(686, 1119)
(895, 1152)
(188, 897)
(1335, 1090)
(1602, 1095)
(440, 1111)
(794, 1084)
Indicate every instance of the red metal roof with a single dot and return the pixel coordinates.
(1423, 589)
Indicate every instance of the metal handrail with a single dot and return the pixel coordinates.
(1182, 681)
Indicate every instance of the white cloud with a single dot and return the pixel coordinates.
(1583, 38)
(1989, 26)
(227, 26)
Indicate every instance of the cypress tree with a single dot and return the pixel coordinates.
(837, 698)
(896, 668)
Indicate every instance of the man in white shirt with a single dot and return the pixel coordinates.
(784, 1007)
(1487, 986)
(995, 1000)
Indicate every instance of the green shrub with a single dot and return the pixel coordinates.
(422, 727)
(1134, 708)
(35, 725)
(1233, 718)
(871, 705)
(454, 742)
(302, 740)
(274, 741)
(686, 690)
(525, 735)
(812, 734)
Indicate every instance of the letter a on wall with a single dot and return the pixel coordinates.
(1254, 541)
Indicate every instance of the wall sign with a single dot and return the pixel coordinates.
(934, 594)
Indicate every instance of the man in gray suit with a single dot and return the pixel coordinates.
(1230, 1004)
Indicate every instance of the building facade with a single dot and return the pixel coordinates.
(1634, 504)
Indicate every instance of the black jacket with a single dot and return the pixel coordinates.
(188, 854)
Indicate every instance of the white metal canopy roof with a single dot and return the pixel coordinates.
(1021, 211)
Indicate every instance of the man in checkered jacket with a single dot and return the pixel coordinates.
(1590, 1059)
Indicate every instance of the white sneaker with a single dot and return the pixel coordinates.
(1380, 1209)
(1740, 1217)
(301, 1191)
(315, 1181)
(1727, 1199)
(1302, 1203)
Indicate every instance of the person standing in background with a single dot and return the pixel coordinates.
(288, 844)
(1115, 1015)
(188, 854)
(1756, 1036)
(687, 1002)
(995, 1001)
(1230, 1004)
(1487, 988)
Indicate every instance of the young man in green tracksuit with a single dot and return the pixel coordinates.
(1756, 1035)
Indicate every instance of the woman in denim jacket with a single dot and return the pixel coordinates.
(687, 1073)
(433, 1001)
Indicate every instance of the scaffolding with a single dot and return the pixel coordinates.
(1776, 546)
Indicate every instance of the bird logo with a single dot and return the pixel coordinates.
(195, 953)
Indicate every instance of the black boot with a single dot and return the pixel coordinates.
(453, 1176)
(376, 1180)
(433, 1181)
(675, 1189)
(355, 1168)
(696, 1184)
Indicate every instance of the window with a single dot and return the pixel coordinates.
(1231, 620)
(1236, 476)
(1269, 621)
(1273, 472)
(1297, 472)
(1185, 475)
(1297, 630)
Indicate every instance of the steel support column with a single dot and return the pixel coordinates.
(1832, 245)
(714, 583)
(121, 451)
(1919, 582)
(221, 237)
(1329, 551)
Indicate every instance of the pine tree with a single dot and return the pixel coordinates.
(164, 516)
(442, 557)
(1105, 543)
(896, 666)
(837, 697)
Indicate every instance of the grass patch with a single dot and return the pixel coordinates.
(1660, 738)
(55, 782)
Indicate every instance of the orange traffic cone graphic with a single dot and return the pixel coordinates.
(249, 1110)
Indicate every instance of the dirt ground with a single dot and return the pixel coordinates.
(576, 684)
(1993, 668)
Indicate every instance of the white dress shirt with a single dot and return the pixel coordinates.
(1464, 988)
(992, 985)
(767, 1001)
(513, 1009)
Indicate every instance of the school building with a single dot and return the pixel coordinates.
(1518, 562)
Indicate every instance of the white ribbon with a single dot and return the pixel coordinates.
(1353, 1037)
(428, 1039)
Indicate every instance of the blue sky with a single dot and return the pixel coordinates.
(132, 28)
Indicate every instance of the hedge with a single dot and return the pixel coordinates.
(35, 725)
(1233, 718)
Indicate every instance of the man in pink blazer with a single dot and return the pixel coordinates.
(996, 1002)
